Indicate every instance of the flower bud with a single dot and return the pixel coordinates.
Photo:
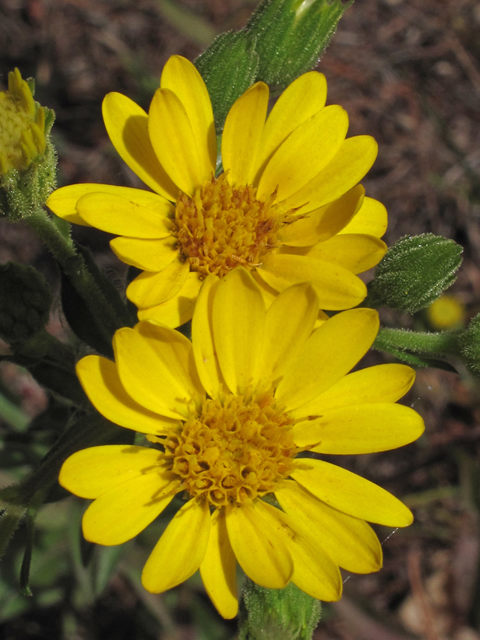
(414, 272)
(27, 158)
(277, 614)
(25, 300)
(282, 40)
(22, 128)
(292, 35)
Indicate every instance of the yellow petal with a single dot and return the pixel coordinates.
(289, 322)
(304, 153)
(63, 201)
(258, 547)
(173, 140)
(179, 308)
(322, 224)
(350, 542)
(155, 372)
(127, 128)
(382, 383)
(125, 510)
(100, 381)
(180, 76)
(176, 351)
(151, 255)
(180, 550)
(89, 473)
(203, 340)
(330, 352)
(301, 100)
(351, 493)
(335, 287)
(354, 252)
(238, 316)
(149, 289)
(121, 216)
(365, 428)
(218, 568)
(242, 134)
(268, 293)
(372, 219)
(353, 160)
(314, 571)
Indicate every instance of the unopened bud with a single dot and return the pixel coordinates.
(27, 158)
(415, 272)
(25, 300)
(277, 614)
(292, 35)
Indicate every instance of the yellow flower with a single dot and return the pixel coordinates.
(446, 313)
(230, 412)
(22, 126)
(286, 206)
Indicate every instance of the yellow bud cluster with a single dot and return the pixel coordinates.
(22, 126)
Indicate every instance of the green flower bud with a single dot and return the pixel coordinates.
(277, 614)
(27, 158)
(469, 346)
(282, 40)
(229, 66)
(414, 272)
(291, 36)
(25, 300)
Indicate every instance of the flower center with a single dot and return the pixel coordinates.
(222, 227)
(232, 451)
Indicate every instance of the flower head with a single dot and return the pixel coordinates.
(22, 126)
(232, 414)
(284, 202)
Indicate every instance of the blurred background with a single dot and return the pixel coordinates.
(408, 73)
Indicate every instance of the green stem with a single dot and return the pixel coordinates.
(75, 268)
(430, 345)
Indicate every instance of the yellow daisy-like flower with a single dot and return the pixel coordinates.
(286, 206)
(230, 412)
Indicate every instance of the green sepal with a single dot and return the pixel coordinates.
(292, 36)
(277, 614)
(414, 272)
(229, 66)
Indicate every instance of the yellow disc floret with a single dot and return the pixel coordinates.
(222, 227)
(22, 126)
(232, 451)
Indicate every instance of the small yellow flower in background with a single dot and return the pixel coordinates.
(287, 206)
(446, 313)
(229, 413)
(22, 126)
